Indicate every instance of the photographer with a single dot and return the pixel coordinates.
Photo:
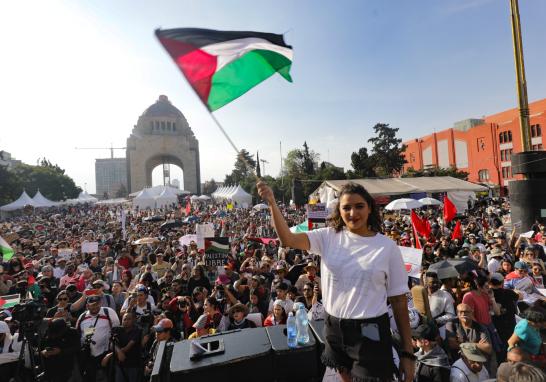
(127, 345)
(95, 326)
(60, 346)
(162, 333)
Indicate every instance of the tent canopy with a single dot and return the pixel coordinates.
(157, 190)
(400, 186)
(167, 198)
(42, 201)
(144, 200)
(21, 202)
(234, 193)
(84, 197)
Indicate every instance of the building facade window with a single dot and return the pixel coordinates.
(536, 131)
(537, 147)
(483, 175)
(505, 137)
(507, 172)
(506, 155)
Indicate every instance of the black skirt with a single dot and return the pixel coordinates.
(361, 347)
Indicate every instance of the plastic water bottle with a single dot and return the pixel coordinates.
(302, 323)
(291, 331)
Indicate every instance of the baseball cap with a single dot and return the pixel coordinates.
(471, 352)
(497, 277)
(163, 325)
(426, 332)
(520, 265)
(201, 322)
(93, 298)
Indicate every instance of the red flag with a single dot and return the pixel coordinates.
(188, 208)
(449, 210)
(457, 234)
(416, 237)
(422, 226)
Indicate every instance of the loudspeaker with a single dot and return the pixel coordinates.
(246, 356)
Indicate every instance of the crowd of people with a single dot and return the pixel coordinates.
(105, 311)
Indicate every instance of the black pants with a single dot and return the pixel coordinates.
(89, 366)
(351, 347)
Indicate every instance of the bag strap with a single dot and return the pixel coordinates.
(462, 371)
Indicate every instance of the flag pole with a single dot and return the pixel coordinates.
(252, 170)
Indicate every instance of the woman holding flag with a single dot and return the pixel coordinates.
(361, 270)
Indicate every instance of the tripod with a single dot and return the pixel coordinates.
(114, 342)
(30, 344)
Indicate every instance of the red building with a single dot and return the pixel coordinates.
(481, 147)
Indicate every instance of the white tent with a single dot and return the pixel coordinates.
(166, 198)
(42, 201)
(144, 200)
(24, 200)
(204, 197)
(241, 197)
(84, 197)
(157, 190)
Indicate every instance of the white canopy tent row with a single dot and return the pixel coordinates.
(144, 200)
(235, 194)
(167, 198)
(39, 201)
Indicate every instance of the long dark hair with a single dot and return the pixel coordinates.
(374, 220)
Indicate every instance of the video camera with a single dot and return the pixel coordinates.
(29, 312)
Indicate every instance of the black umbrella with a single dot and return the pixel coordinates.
(172, 224)
(155, 218)
(444, 269)
(463, 265)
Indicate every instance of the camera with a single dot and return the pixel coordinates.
(116, 331)
(88, 339)
(32, 311)
(145, 321)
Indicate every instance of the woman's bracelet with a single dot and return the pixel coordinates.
(407, 354)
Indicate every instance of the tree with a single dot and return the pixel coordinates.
(363, 165)
(10, 186)
(122, 191)
(436, 171)
(209, 187)
(48, 178)
(308, 160)
(388, 154)
(327, 171)
(243, 168)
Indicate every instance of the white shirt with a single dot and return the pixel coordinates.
(493, 265)
(101, 337)
(358, 273)
(58, 272)
(139, 310)
(442, 306)
(466, 375)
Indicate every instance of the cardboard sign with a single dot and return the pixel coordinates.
(65, 253)
(204, 230)
(412, 259)
(216, 259)
(90, 247)
(317, 211)
(187, 239)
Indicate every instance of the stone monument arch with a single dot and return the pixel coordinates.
(162, 136)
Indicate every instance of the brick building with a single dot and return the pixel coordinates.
(481, 147)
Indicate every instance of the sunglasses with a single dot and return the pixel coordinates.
(62, 299)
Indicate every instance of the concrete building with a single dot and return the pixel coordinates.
(162, 136)
(110, 176)
(481, 147)
(7, 160)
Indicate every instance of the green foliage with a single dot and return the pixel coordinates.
(387, 153)
(209, 187)
(243, 168)
(362, 164)
(436, 171)
(121, 192)
(50, 179)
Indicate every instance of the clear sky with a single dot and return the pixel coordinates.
(80, 73)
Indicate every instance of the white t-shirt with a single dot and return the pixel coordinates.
(358, 273)
(102, 326)
(461, 373)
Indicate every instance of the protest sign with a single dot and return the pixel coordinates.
(204, 230)
(412, 259)
(317, 211)
(90, 247)
(65, 253)
(216, 251)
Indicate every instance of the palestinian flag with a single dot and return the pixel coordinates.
(5, 250)
(223, 65)
(9, 301)
(217, 245)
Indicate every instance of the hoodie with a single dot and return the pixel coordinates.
(432, 366)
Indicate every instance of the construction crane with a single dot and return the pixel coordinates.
(111, 148)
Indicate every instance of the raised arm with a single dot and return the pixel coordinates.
(288, 239)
